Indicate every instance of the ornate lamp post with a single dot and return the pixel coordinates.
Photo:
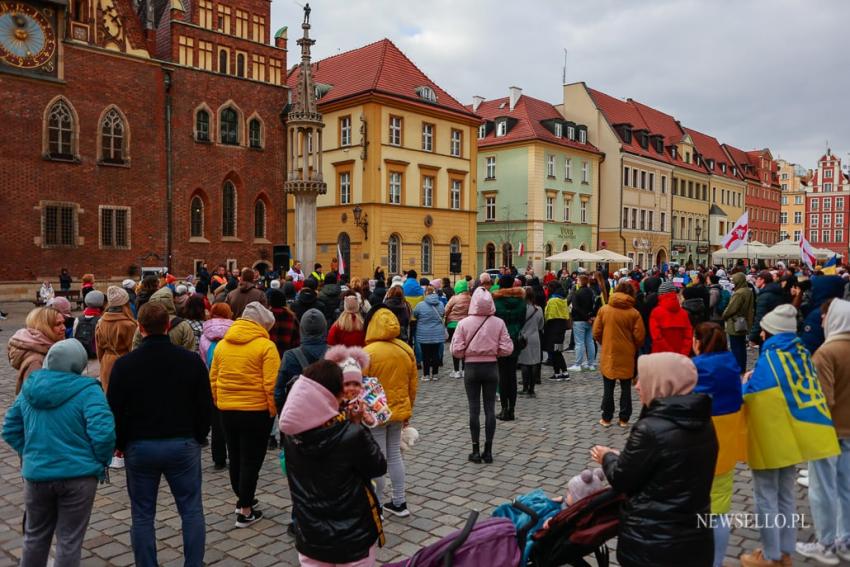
(698, 231)
(361, 220)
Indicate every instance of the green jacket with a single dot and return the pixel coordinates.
(510, 308)
(741, 304)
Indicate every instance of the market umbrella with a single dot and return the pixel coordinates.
(610, 256)
(574, 255)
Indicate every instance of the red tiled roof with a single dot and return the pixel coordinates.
(529, 112)
(664, 124)
(710, 148)
(379, 67)
(740, 158)
(618, 111)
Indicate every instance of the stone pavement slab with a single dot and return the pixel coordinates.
(547, 444)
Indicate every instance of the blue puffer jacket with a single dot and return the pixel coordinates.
(61, 426)
(429, 320)
(823, 288)
(412, 288)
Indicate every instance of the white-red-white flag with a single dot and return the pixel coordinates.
(341, 260)
(521, 249)
(738, 234)
(807, 253)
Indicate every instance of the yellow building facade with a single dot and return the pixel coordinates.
(402, 163)
(793, 180)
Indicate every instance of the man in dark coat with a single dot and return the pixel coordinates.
(770, 296)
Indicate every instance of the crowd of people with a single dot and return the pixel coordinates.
(331, 366)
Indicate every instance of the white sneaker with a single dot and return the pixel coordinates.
(591, 368)
(804, 472)
(426, 378)
(574, 368)
(803, 481)
(455, 373)
(462, 374)
(116, 463)
(842, 550)
(814, 550)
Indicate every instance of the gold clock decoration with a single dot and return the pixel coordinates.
(27, 39)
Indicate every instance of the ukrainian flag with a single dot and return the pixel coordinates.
(719, 376)
(788, 420)
(831, 264)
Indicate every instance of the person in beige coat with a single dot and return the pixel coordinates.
(114, 332)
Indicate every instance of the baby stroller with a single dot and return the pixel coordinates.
(578, 531)
(491, 542)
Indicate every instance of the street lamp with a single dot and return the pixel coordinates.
(698, 231)
(361, 222)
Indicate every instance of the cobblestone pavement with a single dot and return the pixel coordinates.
(547, 444)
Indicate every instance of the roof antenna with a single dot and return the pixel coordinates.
(564, 81)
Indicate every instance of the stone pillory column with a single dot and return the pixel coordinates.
(304, 163)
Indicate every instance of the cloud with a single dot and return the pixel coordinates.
(760, 73)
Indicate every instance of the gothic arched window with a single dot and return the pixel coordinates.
(228, 209)
(60, 131)
(112, 137)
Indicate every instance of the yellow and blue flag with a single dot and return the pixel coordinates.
(720, 377)
(788, 420)
(830, 266)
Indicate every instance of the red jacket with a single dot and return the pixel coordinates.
(337, 336)
(670, 327)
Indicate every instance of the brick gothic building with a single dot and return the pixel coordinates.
(139, 133)
(763, 201)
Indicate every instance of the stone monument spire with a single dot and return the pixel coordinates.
(304, 153)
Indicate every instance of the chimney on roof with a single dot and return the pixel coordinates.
(516, 92)
(476, 102)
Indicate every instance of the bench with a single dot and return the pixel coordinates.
(73, 296)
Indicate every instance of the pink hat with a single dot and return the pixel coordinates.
(60, 304)
(437, 284)
(352, 360)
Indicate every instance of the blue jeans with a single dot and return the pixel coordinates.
(738, 346)
(180, 461)
(774, 495)
(829, 496)
(585, 347)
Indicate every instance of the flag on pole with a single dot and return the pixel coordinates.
(738, 234)
(807, 253)
(830, 266)
(521, 249)
(340, 259)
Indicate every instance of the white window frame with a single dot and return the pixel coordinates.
(839, 220)
(490, 167)
(839, 203)
(568, 169)
(582, 136)
(550, 208)
(568, 206)
(585, 172)
(395, 130)
(345, 131)
(827, 204)
(550, 166)
(827, 220)
(583, 211)
(559, 129)
(489, 209)
(798, 218)
(571, 132)
(456, 142)
(813, 221)
(456, 188)
(482, 131)
(427, 191)
(427, 137)
(345, 188)
(395, 188)
(501, 128)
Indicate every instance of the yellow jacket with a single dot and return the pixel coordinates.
(244, 369)
(392, 362)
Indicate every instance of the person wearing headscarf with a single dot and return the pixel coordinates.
(114, 332)
(59, 413)
(829, 478)
(28, 346)
(665, 469)
(242, 378)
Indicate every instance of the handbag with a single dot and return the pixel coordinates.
(739, 324)
(521, 342)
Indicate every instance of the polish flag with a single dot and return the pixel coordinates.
(738, 234)
(807, 253)
(521, 249)
(340, 259)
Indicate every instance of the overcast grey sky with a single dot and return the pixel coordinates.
(761, 73)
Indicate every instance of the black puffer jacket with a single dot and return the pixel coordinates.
(330, 471)
(306, 299)
(666, 470)
(768, 299)
(329, 300)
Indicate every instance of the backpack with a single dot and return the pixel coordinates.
(723, 302)
(85, 334)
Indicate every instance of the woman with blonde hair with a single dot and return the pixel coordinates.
(28, 346)
(348, 329)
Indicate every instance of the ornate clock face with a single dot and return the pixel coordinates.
(27, 39)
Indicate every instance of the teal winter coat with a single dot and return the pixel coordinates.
(61, 426)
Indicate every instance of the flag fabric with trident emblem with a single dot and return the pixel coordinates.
(788, 420)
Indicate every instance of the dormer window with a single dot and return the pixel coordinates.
(734, 170)
(687, 157)
(320, 90)
(711, 164)
(426, 93)
(559, 129)
(501, 128)
(673, 152)
(582, 136)
(723, 167)
(659, 145)
(482, 131)
(571, 132)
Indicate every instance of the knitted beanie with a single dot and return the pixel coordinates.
(116, 296)
(666, 287)
(783, 319)
(95, 298)
(256, 312)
